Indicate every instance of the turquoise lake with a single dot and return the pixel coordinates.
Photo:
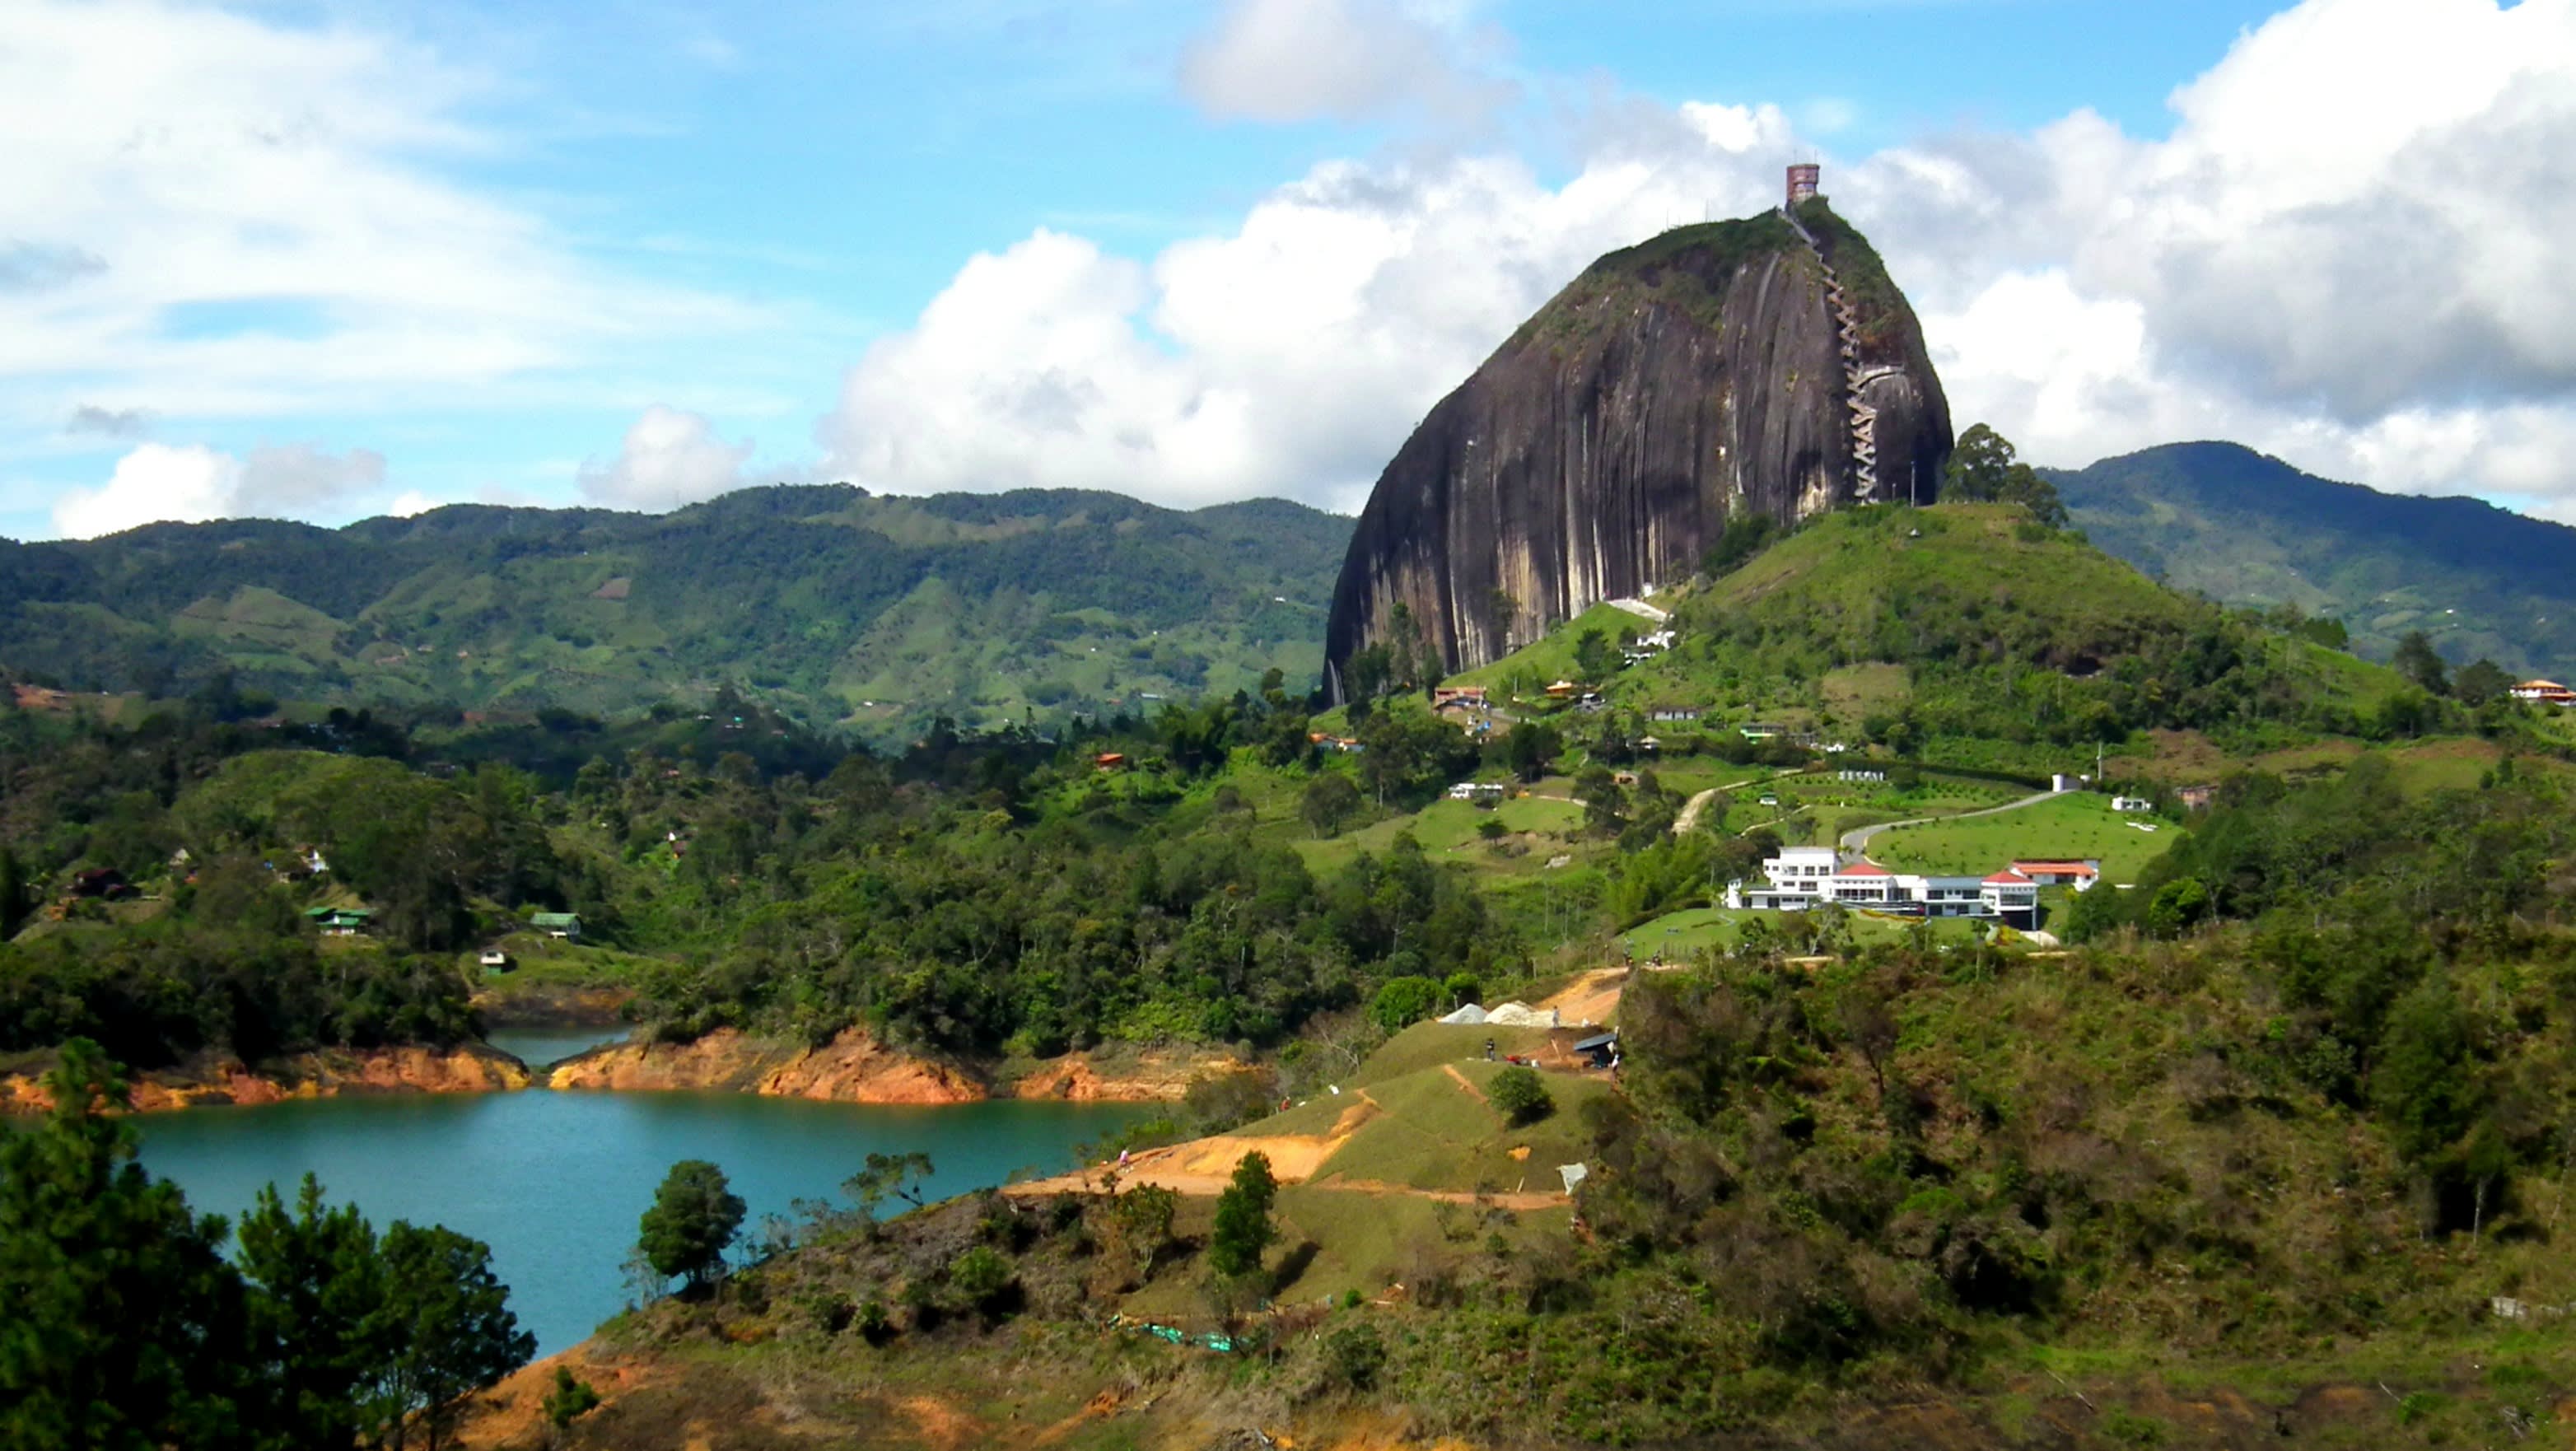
(555, 1182)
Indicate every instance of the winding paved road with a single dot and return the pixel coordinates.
(1858, 840)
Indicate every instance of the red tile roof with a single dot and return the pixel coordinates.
(1863, 869)
(2055, 868)
(2010, 879)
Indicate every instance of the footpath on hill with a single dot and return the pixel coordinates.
(1691, 809)
(1202, 1168)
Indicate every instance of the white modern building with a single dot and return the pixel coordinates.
(1803, 877)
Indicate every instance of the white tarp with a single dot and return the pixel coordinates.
(1466, 1016)
(1573, 1174)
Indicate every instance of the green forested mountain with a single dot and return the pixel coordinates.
(2247, 529)
(878, 613)
(832, 603)
(2284, 1124)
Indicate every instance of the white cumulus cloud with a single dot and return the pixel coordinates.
(207, 214)
(154, 483)
(157, 483)
(669, 458)
(1288, 357)
(2345, 252)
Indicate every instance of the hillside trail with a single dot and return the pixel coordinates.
(1461, 1080)
(1858, 839)
(1205, 1166)
(1691, 809)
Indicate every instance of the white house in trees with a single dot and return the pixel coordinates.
(1803, 877)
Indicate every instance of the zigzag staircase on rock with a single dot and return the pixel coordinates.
(1863, 418)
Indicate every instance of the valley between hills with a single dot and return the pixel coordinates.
(1815, 970)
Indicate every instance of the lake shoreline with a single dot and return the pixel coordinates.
(852, 1068)
(472, 1067)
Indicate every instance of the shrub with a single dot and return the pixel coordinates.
(1403, 1002)
(875, 1321)
(980, 1276)
(570, 1399)
(1521, 1095)
(1356, 1355)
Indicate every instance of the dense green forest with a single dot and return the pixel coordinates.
(825, 601)
(2248, 530)
(2298, 1134)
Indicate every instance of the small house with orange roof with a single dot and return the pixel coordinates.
(2081, 875)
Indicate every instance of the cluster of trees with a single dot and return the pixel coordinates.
(2480, 683)
(1983, 469)
(2471, 866)
(161, 992)
(128, 1327)
(2367, 908)
(968, 943)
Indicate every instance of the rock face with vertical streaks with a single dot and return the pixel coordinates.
(1721, 370)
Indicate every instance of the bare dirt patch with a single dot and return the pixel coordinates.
(1589, 999)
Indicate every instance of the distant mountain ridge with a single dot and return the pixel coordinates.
(2248, 529)
(878, 612)
(835, 604)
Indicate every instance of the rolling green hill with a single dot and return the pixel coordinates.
(836, 605)
(2244, 529)
(1973, 637)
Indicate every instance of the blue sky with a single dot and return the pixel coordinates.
(323, 260)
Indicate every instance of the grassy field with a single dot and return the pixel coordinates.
(1834, 806)
(1447, 831)
(1428, 1045)
(1434, 1133)
(2077, 825)
(1552, 659)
